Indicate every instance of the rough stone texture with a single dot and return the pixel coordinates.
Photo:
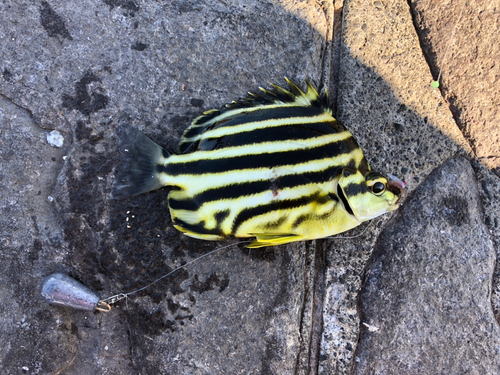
(460, 41)
(30, 232)
(489, 185)
(83, 67)
(154, 63)
(456, 39)
(426, 295)
(404, 127)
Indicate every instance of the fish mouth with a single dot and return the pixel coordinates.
(398, 189)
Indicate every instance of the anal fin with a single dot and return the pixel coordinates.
(267, 239)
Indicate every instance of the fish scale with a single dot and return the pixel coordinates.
(275, 166)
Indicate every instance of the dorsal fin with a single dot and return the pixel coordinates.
(292, 97)
(295, 95)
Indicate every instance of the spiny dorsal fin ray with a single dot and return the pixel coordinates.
(292, 97)
(295, 89)
(283, 94)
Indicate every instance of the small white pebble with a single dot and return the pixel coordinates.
(128, 226)
(25, 368)
(55, 138)
(50, 199)
(106, 347)
(65, 157)
(371, 328)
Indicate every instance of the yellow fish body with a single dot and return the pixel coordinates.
(276, 166)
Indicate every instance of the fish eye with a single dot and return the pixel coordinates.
(378, 188)
(376, 183)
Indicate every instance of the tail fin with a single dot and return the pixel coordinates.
(137, 171)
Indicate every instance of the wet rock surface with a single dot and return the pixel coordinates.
(425, 303)
(82, 68)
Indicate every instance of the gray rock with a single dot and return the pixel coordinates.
(472, 95)
(31, 241)
(82, 68)
(405, 128)
(489, 186)
(426, 297)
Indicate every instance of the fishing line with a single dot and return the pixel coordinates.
(350, 237)
(435, 84)
(61, 289)
(118, 297)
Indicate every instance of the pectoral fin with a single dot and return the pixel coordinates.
(265, 239)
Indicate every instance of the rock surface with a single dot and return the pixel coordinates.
(405, 127)
(461, 51)
(84, 67)
(81, 68)
(425, 304)
(455, 37)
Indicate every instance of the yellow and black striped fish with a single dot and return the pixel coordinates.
(276, 166)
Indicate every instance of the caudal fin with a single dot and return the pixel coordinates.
(137, 171)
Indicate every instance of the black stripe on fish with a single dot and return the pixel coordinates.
(291, 133)
(256, 116)
(363, 166)
(263, 209)
(300, 220)
(235, 191)
(221, 216)
(200, 227)
(354, 189)
(263, 160)
(342, 197)
(277, 223)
